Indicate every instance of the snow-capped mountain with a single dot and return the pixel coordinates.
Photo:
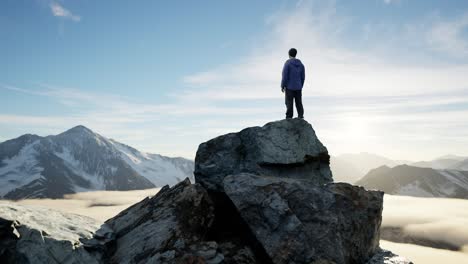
(417, 181)
(80, 160)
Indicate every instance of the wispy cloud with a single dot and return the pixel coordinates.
(60, 11)
(331, 68)
(448, 36)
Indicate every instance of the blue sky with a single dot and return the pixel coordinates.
(383, 76)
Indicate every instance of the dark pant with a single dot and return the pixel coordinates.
(295, 95)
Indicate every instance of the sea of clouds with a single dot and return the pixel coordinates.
(435, 219)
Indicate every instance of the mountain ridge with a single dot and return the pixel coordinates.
(351, 167)
(79, 159)
(416, 181)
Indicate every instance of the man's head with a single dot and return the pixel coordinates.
(292, 53)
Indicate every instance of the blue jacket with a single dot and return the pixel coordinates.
(293, 74)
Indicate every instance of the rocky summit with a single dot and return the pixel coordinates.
(264, 195)
(285, 149)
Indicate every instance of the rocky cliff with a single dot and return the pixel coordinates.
(263, 195)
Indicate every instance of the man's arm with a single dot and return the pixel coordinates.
(303, 75)
(284, 78)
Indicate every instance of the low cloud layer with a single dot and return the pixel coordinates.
(435, 219)
(100, 205)
(425, 255)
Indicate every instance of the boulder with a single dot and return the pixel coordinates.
(273, 187)
(297, 221)
(288, 148)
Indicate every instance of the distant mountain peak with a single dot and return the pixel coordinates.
(80, 133)
(26, 138)
(79, 129)
(81, 160)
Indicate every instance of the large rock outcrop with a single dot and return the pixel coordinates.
(288, 148)
(297, 221)
(264, 195)
(171, 226)
(277, 180)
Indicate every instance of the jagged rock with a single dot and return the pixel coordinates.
(383, 256)
(288, 148)
(166, 228)
(235, 255)
(41, 235)
(102, 243)
(299, 222)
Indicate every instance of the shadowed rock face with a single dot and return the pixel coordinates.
(288, 148)
(166, 227)
(387, 257)
(298, 221)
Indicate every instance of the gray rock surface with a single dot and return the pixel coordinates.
(299, 222)
(383, 256)
(174, 226)
(41, 235)
(170, 226)
(288, 148)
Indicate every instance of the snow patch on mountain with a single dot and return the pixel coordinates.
(96, 180)
(456, 177)
(461, 165)
(151, 166)
(20, 170)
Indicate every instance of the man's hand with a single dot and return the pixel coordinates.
(282, 89)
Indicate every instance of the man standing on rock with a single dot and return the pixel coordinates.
(292, 82)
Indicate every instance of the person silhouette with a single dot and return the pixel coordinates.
(293, 77)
